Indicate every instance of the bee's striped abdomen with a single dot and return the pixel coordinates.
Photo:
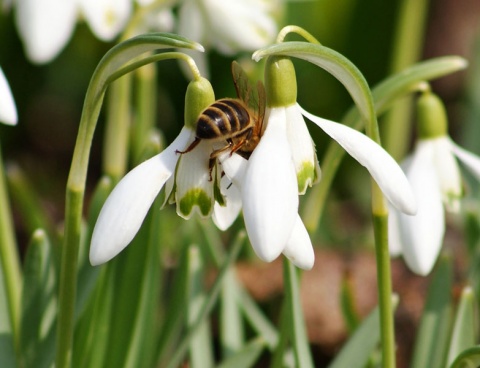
(224, 118)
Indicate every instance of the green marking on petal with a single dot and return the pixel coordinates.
(305, 177)
(195, 197)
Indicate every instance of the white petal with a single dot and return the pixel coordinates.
(234, 167)
(8, 111)
(224, 216)
(128, 204)
(448, 172)
(383, 168)
(269, 190)
(45, 26)
(238, 25)
(469, 159)
(194, 189)
(422, 234)
(299, 247)
(106, 18)
(303, 149)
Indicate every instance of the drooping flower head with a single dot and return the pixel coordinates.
(284, 164)
(434, 174)
(128, 204)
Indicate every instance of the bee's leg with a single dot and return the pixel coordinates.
(191, 147)
(242, 141)
(215, 154)
(211, 165)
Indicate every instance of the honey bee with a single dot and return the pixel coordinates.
(238, 121)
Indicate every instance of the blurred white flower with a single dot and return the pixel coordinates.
(45, 26)
(106, 18)
(434, 174)
(435, 177)
(228, 26)
(8, 111)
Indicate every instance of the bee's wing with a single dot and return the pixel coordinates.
(253, 97)
(261, 102)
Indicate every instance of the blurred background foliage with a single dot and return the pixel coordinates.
(49, 99)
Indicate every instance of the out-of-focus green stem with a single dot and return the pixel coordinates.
(115, 148)
(145, 109)
(9, 259)
(384, 282)
(407, 48)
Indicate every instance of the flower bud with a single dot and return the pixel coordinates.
(280, 82)
(432, 117)
(199, 95)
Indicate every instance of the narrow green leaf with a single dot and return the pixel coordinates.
(360, 346)
(299, 337)
(9, 261)
(464, 328)
(7, 350)
(93, 328)
(176, 307)
(261, 324)
(212, 297)
(25, 197)
(201, 354)
(88, 275)
(469, 358)
(231, 326)
(246, 357)
(134, 270)
(283, 356)
(349, 311)
(39, 303)
(431, 345)
(7, 353)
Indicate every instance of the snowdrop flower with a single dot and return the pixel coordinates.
(8, 111)
(106, 18)
(228, 26)
(434, 174)
(128, 204)
(284, 164)
(45, 26)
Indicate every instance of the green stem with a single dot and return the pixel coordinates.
(408, 43)
(387, 329)
(146, 99)
(298, 333)
(9, 259)
(115, 146)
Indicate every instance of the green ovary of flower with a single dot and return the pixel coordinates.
(305, 176)
(432, 117)
(195, 197)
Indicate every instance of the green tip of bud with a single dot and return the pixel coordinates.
(199, 95)
(432, 117)
(280, 82)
